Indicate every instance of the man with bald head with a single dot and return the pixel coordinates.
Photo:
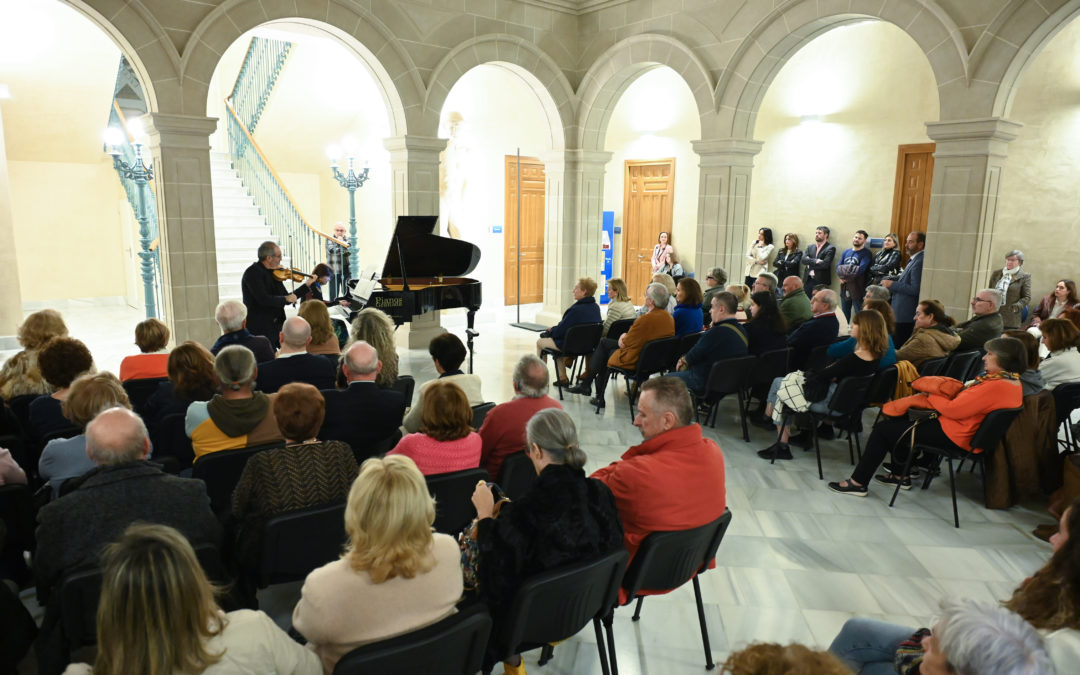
(293, 363)
(363, 415)
(122, 489)
(795, 306)
(503, 430)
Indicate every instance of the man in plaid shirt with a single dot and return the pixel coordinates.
(337, 256)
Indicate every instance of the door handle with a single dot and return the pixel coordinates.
(640, 256)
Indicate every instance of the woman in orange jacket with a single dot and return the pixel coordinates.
(961, 409)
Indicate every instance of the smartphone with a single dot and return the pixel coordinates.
(496, 491)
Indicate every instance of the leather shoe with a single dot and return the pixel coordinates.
(763, 422)
(598, 402)
(782, 451)
(581, 388)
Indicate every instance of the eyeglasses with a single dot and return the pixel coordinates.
(977, 299)
(713, 278)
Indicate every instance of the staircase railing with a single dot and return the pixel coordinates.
(256, 79)
(149, 204)
(303, 244)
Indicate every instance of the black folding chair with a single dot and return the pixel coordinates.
(990, 433)
(171, 441)
(770, 365)
(580, 341)
(686, 343)
(727, 376)
(221, 472)
(665, 561)
(933, 366)
(517, 475)
(453, 492)
(139, 391)
(655, 354)
(18, 513)
(960, 365)
(454, 646)
(881, 392)
(555, 605)
(66, 432)
(479, 412)
(405, 384)
(20, 406)
(1066, 400)
(295, 543)
(818, 358)
(618, 328)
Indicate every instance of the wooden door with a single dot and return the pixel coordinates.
(648, 202)
(911, 197)
(532, 231)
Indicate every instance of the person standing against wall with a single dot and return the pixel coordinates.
(337, 256)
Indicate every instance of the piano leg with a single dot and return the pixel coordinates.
(469, 335)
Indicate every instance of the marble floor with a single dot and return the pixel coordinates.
(797, 560)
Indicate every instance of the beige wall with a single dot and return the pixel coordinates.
(874, 90)
(499, 114)
(1039, 206)
(655, 118)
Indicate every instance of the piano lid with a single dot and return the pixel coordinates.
(427, 254)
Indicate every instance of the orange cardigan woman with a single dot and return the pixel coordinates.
(961, 409)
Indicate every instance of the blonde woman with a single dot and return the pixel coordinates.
(323, 338)
(619, 304)
(376, 328)
(21, 375)
(158, 616)
(395, 576)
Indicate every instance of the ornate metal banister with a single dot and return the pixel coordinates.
(256, 79)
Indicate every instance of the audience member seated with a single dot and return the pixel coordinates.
(562, 519)
(766, 330)
(671, 265)
(767, 658)
(89, 395)
(961, 409)
(742, 298)
(583, 311)
(1049, 600)
(191, 378)
(393, 562)
(61, 360)
(231, 316)
(985, 325)
(1031, 380)
(875, 292)
(1062, 365)
(362, 414)
(158, 615)
(20, 374)
(377, 329)
(766, 281)
(448, 353)
(293, 363)
(619, 306)
(933, 337)
(122, 489)
(10, 471)
(237, 417)
(674, 480)
(819, 330)
(668, 283)
(813, 391)
(655, 324)
(1062, 297)
(715, 281)
(152, 339)
(687, 312)
(840, 349)
(969, 638)
(725, 339)
(324, 341)
(304, 474)
(503, 431)
(795, 305)
(446, 441)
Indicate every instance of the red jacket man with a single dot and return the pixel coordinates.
(675, 479)
(503, 430)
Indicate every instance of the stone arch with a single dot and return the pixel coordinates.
(781, 33)
(356, 28)
(623, 63)
(522, 58)
(1004, 56)
(155, 61)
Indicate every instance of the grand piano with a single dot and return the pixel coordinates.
(424, 272)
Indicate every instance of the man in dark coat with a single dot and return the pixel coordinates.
(986, 323)
(819, 261)
(231, 316)
(293, 363)
(264, 296)
(364, 414)
(820, 329)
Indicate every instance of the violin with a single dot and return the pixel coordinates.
(283, 274)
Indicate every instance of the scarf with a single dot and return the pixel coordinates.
(1006, 278)
(1003, 375)
(237, 417)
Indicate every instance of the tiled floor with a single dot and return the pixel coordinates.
(797, 561)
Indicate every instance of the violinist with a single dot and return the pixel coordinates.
(264, 294)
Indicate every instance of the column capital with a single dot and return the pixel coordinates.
(415, 144)
(726, 151)
(179, 131)
(973, 138)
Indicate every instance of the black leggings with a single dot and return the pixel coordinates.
(884, 438)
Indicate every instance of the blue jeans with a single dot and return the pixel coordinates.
(850, 306)
(690, 379)
(868, 646)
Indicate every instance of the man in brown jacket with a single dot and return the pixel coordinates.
(656, 323)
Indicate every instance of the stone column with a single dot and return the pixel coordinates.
(723, 204)
(968, 164)
(574, 195)
(414, 162)
(181, 149)
(11, 300)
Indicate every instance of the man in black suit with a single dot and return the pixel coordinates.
(819, 330)
(363, 415)
(264, 296)
(293, 363)
(819, 261)
(231, 316)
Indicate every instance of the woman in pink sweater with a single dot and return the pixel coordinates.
(446, 441)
